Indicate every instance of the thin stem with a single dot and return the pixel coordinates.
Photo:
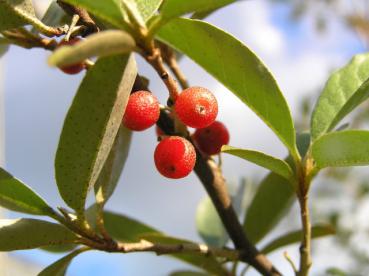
(290, 261)
(305, 248)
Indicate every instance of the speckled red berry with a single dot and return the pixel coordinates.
(211, 139)
(142, 111)
(74, 68)
(175, 157)
(196, 107)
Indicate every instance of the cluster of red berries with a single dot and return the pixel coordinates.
(196, 107)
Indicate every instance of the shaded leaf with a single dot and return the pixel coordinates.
(317, 231)
(127, 229)
(113, 167)
(276, 165)
(59, 268)
(341, 149)
(19, 234)
(16, 13)
(4, 46)
(107, 10)
(209, 225)
(55, 16)
(91, 126)
(273, 198)
(345, 89)
(148, 8)
(16, 196)
(100, 44)
(175, 8)
(278, 193)
(237, 68)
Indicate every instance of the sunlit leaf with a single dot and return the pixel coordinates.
(271, 163)
(148, 8)
(345, 89)
(91, 126)
(17, 196)
(341, 149)
(100, 44)
(237, 68)
(17, 234)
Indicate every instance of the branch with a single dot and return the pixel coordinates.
(84, 17)
(163, 249)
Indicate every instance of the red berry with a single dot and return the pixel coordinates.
(74, 68)
(142, 111)
(211, 139)
(196, 107)
(175, 157)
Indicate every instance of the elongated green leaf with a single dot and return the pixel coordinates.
(16, 13)
(91, 126)
(317, 231)
(345, 89)
(273, 197)
(209, 225)
(107, 10)
(237, 68)
(4, 45)
(175, 8)
(113, 167)
(341, 149)
(16, 196)
(59, 268)
(127, 229)
(276, 165)
(101, 44)
(148, 8)
(18, 234)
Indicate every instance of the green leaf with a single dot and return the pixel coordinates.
(341, 149)
(148, 8)
(113, 167)
(127, 229)
(205, 13)
(273, 198)
(276, 165)
(107, 10)
(317, 231)
(16, 13)
(91, 126)
(237, 68)
(209, 225)
(175, 8)
(345, 89)
(100, 44)
(17, 196)
(59, 268)
(187, 273)
(4, 45)
(19, 234)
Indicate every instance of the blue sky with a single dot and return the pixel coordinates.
(37, 98)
